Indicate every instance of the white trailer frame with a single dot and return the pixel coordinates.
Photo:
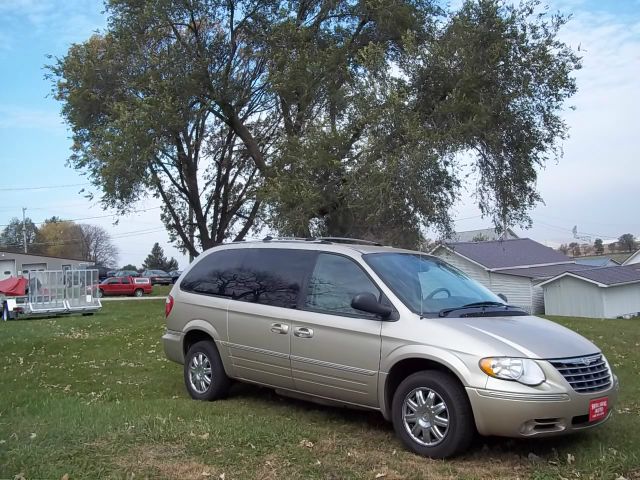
(55, 292)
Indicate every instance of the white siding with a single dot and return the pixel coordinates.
(621, 300)
(633, 259)
(538, 299)
(471, 269)
(571, 297)
(517, 289)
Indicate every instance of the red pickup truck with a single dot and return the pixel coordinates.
(136, 286)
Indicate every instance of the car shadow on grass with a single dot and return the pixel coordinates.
(531, 450)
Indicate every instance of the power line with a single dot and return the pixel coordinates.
(75, 241)
(564, 229)
(91, 218)
(45, 187)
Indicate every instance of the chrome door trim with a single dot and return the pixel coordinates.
(255, 349)
(335, 366)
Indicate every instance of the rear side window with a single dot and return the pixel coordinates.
(274, 276)
(216, 274)
(269, 276)
(333, 284)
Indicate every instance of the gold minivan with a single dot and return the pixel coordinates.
(352, 323)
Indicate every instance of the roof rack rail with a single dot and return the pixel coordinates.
(270, 238)
(355, 241)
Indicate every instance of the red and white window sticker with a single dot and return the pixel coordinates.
(598, 408)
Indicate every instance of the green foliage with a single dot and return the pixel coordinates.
(598, 246)
(129, 267)
(575, 250)
(350, 117)
(157, 260)
(12, 239)
(627, 242)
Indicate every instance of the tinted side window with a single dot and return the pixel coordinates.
(333, 284)
(217, 274)
(126, 281)
(274, 276)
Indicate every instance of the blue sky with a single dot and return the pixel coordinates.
(595, 185)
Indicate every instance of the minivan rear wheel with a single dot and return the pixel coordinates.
(204, 374)
(431, 414)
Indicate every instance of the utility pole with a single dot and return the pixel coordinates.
(24, 229)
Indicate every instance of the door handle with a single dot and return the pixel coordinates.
(280, 328)
(303, 332)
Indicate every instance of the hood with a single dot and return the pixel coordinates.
(530, 336)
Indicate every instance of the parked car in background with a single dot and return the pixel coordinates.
(158, 277)
(175, 275)
(400, 332)
(136, 286)
(127, 273)
(103, 272)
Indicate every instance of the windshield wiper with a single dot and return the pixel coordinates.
(446, 311)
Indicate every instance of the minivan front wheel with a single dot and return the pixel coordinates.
(204, 374)
(431, 414)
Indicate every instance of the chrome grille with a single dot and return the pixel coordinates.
(585, 374)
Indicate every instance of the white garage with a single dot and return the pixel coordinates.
(609, 292)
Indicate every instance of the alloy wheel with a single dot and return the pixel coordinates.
(425, 416)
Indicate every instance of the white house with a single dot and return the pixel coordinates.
(513, 267)
(608, 292)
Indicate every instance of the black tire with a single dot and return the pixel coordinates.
(219, 383)
(100, 293)
(138, 292)
(460, 428)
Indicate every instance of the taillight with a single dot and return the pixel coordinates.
(168, 305)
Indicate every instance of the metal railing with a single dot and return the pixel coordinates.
(60, 291)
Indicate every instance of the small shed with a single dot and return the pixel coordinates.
(608, 292)
(513, 267)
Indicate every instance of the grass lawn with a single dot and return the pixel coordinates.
(161, 290)
(94, 397)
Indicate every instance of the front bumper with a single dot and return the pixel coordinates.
(510, 414)
(172, 343)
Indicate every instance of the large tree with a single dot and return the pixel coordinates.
(348, 117)
(627, 242)
(12, 238)
(60, 238)
(97, 246)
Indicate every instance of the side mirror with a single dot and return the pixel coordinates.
(503, 297)
(367, 302)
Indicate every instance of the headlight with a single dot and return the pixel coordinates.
(522, 370)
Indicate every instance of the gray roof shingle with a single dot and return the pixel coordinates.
(611, 275)
(517, 252)
(548, 271)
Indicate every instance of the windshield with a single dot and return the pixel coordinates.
(428, 285)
